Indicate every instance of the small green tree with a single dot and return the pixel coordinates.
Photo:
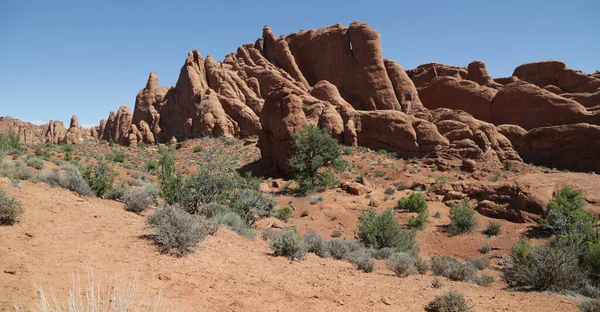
(100, 177)
(565, 215)
(170, 182)
(378, 230)
(314, 149)
(462, 217)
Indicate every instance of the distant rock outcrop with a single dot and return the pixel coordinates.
(556, 73)
(27, 132)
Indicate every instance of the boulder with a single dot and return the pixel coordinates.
(424, 74)
(588, 100)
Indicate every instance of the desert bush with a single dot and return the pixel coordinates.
(251, 205)
(10, 209)
(138, 200)
(170, 182)
(565, 215)
(94, 295)
(361, 259)
(378, 230)
(449, 267)
(70, 179)
(589, 305)
(437, 283)
(341, 248)
(336, 233)
(314, 243)
(485, 248)
(212, 209)
(402, 263)
(382, 253)
(197, 149)
(450, 301)
(478, 263)
(15, 171)
(35, 162)
(116, 156)
(483, 280)
(116, 192)
(287, 244)
(462, 218)
(234, 222)
(283, 214)
(389, 191)
(218, 185)
(414, 203)
(176, 231)
(314, 149)
(100, 177)
(492, 228)
(551, 266)
(316, 199)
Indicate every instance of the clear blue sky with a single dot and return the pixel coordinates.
(59, 58)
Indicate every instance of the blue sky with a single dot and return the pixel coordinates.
(59, 58)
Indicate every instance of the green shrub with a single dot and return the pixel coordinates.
(15, 171)
(67, 148)
(389, 191)
(176, 231)
(35, 163)
(450, 301)
(197, 149)
(591, 258)
(485, 248)
(565, 215)
(414, 203)
(100, 177)
(217, 185)
(314, 243)
(378, 230)
(547, 266)
(402, 263)
(152, 166)
(314, 149)
(138, 200)
(284, 213)
(492, 228)
(287, 244)
(9, 142)
(234, 222)
(10, 209)
(462, 218)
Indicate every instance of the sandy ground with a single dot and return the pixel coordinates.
(61, 233)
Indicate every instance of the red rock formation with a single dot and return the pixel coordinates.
(586, 99)
(556, 73)
(506, 80)
(55, 132)
(449, 92)
(28, 132)
(348, 57)
(73, 135)
(148, 102)
(476, 71)
(404, 88)
(524, 104)
(423, 74)
(122, 125)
